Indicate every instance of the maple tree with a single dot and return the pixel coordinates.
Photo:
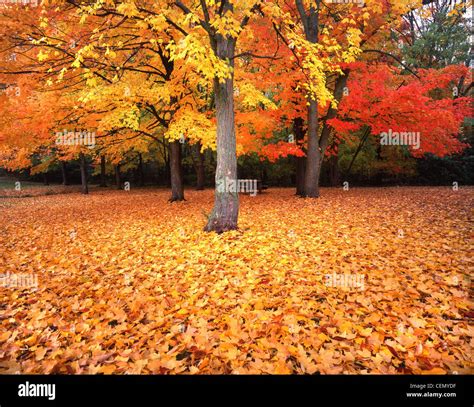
(184, 54)
(128, 281)
(112, 64)
(390, 98)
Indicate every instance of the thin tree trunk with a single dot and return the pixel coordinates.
(167, 168)
(199, 166)
(117, 177)
(359, 148)
(323, 141)
(177, 189)
(103, 182)
(224, 215)
(300, 162)
(83, 164)
(141, 173)
(64, 173)
(309, 14)
(45, 178)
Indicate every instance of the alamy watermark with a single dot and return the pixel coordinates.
(358, 2)
(345, 280)
(237, 185)
(21, 280)
(37, 390)
(76, 138)
(403, 138)
(33, 3)
(10, 90)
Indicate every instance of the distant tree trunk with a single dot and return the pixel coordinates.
(211, 158)
(64, 173)
(299, 161)
(167, 168)
(141, 173)
(334, 176)
(177, 189)
(199, 166)
(225, 213)
(118, 181)
(45, 178)
(359, 149)
(263, 174)
(83, 164)
(103, 182)
(316, 145)
(300, 175)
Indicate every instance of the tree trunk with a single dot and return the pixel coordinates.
(313, 155)
(45, 178)
(317, 145)
(300, 162)
(64, 173)
(359, 148)
(300, 175)
(141, 173)
(83, 164)
(117, 177)
(310, 20)
(167, 169)
(177, 189)
(341, 83)
(225, 213)
(199, 165)
(103, 182)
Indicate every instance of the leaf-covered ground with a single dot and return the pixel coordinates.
(129, 283)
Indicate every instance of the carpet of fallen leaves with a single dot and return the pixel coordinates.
(129, 283)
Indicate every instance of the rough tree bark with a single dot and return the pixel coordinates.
(317, 145)
(300, 162)
(226, 203)
(310, 22)
(177, 189)
(313, 155)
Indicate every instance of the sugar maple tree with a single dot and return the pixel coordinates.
(156, 72)
(313, 70)
(110, 59)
